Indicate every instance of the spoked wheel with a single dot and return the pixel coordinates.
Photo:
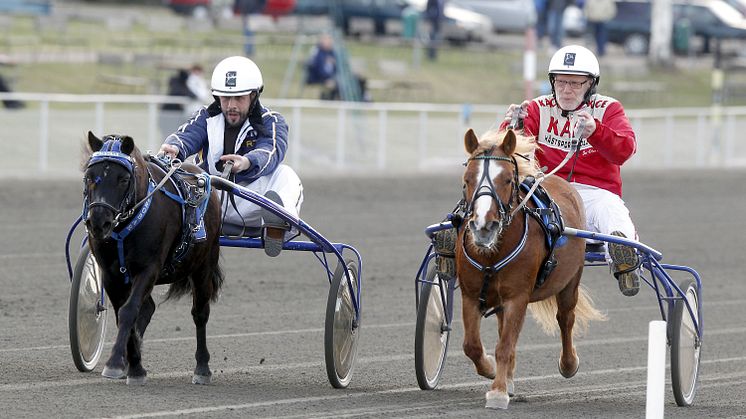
(685, 345)
(431, 332)
(87, 312)
(341, 331)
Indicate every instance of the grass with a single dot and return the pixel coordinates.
(476, 75)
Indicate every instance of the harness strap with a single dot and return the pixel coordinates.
(119, 237)
(490, 270)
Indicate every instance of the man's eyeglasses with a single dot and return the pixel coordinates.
(574, 85)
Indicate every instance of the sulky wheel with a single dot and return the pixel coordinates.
(685, 345)
(431, 332)
(87, 312)
(342, 330)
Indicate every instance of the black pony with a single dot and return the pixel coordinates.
(138, 231)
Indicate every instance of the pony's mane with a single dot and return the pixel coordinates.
(525, 146)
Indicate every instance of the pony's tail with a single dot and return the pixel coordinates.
(545, 313)
(182, 288)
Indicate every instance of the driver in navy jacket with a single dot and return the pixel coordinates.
(237, 128)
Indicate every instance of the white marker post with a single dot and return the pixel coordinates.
(656, 369)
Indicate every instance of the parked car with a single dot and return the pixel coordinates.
(197, 8)
(509, 16)
(379, 11)
(460, 24)
(708, 19)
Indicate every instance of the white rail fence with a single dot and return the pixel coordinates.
(47, 136)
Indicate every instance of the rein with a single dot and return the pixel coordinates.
(111, 152)
(574, 150)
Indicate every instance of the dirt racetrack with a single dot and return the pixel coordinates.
(266, 332)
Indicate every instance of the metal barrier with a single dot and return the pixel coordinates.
(344, 137)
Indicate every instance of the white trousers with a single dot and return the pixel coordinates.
(605, 211)
(283, 180)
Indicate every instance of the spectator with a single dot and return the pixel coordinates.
(198, 89)
(185, 83)
(9, 103)
(244, 8)
(322, 68)
(598, 13)
(553, 18)
(434, 14)
(5, 87)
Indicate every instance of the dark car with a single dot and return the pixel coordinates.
(708, 19)
(380, 11)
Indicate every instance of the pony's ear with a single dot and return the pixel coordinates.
(471, 142)
(128, 144)
(94, 142)
(509, 141)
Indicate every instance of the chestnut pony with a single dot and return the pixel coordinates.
(134, 231)
(500, 252)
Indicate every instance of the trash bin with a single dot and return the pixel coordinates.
(410, 16)
(682, 32)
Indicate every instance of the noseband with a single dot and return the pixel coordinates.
(111, 152)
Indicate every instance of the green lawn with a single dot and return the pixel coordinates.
(460, 75)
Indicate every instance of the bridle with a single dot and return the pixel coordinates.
(111, 152)
(506, 216)
(485, 187)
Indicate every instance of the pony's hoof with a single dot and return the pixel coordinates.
(568, 374)
(201, 379)
(139, 380)
(113, 373)
(496, 399)
(511, 388)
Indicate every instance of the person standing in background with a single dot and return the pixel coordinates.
(244, 8)
(434, 14)
(598, 13)
(555, 16)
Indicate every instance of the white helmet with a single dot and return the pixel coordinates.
(236, 76)
(574, 59)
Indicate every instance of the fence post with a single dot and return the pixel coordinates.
(44, 136)
(296, 136)
(422, 143)
(341, 124)
(382, 134)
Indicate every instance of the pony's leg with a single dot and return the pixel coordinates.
(117, 300)
(136, 374)
(472, 340)
(513, 314)
(116, 366)
(566, 300)
(511, 365)
(200, 314)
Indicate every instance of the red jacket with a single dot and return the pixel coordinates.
(600, 157)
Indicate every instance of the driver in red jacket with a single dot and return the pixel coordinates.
(607, 142)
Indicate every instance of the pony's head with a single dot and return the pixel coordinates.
(491, 181)
(114, 179)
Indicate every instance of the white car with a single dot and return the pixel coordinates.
(460, 24)
(514, 16)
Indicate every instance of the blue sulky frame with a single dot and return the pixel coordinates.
(660, 281)
(680, 307)
(318, 244)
